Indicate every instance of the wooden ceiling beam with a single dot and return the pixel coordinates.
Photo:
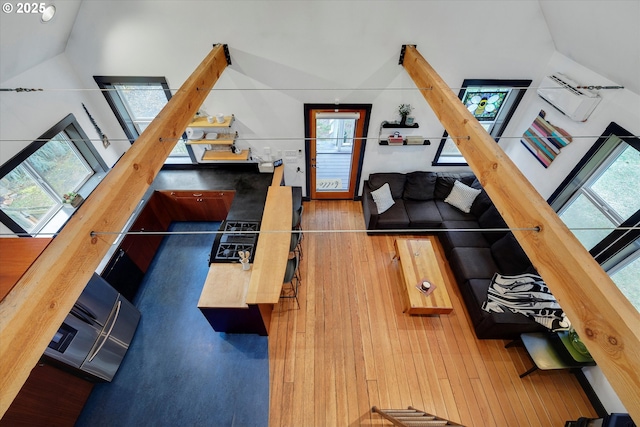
(602, 316)
(34, 309)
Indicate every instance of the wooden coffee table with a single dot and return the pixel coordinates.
(418, 261)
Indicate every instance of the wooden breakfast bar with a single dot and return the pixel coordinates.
(241, 301)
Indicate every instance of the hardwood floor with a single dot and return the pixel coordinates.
(350, 347)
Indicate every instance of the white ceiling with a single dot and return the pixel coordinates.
(602, 35)
(26, 42)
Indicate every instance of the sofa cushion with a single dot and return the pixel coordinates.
(492, 219)
(396, 182)
(509, 256)
(451, 239)
(481, 204)
(493, 325)
(449, 213)
(472, 263)
(382, 197)
(419, 186)
(423, 214)
(462, 196)
(394, 218)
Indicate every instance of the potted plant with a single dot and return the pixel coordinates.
(73, 199)
(404, 110)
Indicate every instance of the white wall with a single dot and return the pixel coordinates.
(620, 106)
(27, 115)
(338, 48)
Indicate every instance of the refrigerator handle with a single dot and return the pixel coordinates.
(108, 334)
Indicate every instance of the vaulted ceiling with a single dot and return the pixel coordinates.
(602, 35)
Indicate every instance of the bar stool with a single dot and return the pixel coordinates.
(296, 242)
(296, 195)
(291, 278)
(296, 218)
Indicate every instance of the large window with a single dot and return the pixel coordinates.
(492, 102)
(136, 101)
(33, 183)
(599, 201)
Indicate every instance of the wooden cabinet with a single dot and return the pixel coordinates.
(50, 397)
(142, 248)
(197, 205)
(18, 253)
(131, 261)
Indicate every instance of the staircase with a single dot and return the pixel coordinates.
(412, 417)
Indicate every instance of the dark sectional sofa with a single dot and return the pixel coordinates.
(474, 257)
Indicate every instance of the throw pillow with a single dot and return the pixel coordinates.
(462, 196)
(382, 197)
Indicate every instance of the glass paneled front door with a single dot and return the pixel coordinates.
(336, 143)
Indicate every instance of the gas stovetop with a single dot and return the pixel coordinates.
(238, 236)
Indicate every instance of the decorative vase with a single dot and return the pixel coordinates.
(409, 120)
(403, 120)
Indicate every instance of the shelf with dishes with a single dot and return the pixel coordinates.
(214, 139)
(226, 155)
(212, 122)
(211, 138)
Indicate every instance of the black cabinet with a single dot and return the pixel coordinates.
(123, 274)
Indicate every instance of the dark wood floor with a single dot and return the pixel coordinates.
(350, 347)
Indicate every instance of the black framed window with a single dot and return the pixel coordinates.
(599, 202)
(493, 103)
(34, 182)
(136, 101)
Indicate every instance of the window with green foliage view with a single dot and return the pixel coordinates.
(33, 191)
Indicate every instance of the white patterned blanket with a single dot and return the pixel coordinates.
(526, 294)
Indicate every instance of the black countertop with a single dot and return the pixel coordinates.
(250, 186)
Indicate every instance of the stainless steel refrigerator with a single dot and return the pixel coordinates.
(97, 332)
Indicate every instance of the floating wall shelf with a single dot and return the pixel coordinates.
(404, 142)
(397, 125)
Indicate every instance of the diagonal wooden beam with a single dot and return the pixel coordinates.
(602, 316)
(32, 312)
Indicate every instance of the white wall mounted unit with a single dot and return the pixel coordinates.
(563, 94)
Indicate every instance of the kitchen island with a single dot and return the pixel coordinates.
(241, 301)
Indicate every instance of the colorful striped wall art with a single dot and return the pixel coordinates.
(545, 140)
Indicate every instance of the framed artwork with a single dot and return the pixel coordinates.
(485, 106)
(545, 140)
